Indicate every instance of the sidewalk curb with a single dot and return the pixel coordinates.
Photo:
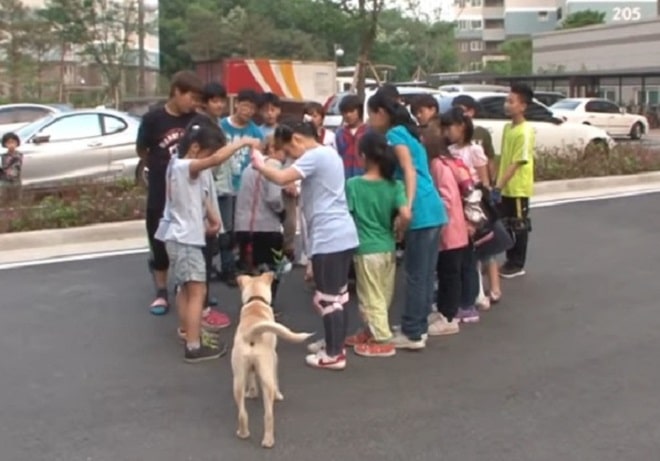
(135, 230)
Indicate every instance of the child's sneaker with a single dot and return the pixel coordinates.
(213, 320)
(205, 352)
(468, 314)
(322, 360)
(360, 337)
(401, 341)
(316, 346)
(374, 349)
(441, 326)
(483, 303)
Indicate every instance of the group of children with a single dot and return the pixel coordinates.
(431, 185)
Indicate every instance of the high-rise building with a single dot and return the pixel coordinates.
(483, 25)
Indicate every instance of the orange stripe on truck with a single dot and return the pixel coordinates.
(290, 78)
(269, 77)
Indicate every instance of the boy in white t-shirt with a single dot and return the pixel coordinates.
(188, 217)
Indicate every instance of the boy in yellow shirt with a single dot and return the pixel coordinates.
(515, 179)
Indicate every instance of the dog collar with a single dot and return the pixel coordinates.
(257, 298)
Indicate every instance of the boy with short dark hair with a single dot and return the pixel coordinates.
(228, 176)
(157, 140)
(214, 101)
(425, 107)
(12, 161)
(270, 109)
(349, 134)
(515, 180)
(315, 113)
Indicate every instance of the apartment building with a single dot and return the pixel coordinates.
(66, 65)
(483, 25)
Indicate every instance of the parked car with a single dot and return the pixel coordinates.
(548, 97)
(602, 114)
(14, 116)
(80, 144)
(552, 133)
(333, 118)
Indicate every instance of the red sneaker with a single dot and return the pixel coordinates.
(213, 320)
(360, 337)
(374, 349)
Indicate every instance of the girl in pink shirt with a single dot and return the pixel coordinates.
(460, 131)
(454, 242)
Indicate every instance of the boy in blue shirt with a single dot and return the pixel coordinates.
(228, 175)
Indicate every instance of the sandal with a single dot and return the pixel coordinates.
(159, 307)
(495, 298)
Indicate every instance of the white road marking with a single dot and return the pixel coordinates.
(135, 251)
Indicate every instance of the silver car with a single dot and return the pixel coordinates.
(80, 144)
(14, 116)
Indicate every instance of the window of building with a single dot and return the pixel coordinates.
(459, 3)
(476, 2)
(475, 65)
(464, 47)
(476, 24)
(476, 45)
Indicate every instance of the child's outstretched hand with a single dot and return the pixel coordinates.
(258, 159)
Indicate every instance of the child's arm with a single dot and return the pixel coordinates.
(404, 213)
(480, 162)
(222, 154)
(213, 221)
(15, 166)
(284, 176)
(522, 150)
(409, 173)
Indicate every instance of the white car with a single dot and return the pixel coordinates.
(333, 118)
(14, 116)
(553, 135)
(602, 114)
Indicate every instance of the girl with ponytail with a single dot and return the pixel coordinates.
(428, 215)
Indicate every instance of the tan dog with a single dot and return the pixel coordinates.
(254, 354)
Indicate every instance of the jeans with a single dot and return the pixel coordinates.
(469, 277)
(226, 203)
(419, 263)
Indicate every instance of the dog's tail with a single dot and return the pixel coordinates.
(278, 329)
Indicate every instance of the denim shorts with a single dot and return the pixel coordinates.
(187, 263)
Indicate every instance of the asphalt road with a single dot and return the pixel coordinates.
(566, 368)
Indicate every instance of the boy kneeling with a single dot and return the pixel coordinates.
(189, 214)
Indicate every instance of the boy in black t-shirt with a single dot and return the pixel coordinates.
(157, 140)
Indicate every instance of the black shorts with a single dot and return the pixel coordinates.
(159, 260)
(259, 249)
(331, 271)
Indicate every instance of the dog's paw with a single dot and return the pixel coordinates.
(278, 396)
(252, 393)
(243, 434)
(268, 442)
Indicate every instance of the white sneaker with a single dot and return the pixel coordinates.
(321, 360)
(401, 341)
(483, 302)
(397, 329)
(316, 346)
(441, 327)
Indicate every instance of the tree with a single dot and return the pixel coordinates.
(518, 54)
(366, 14)
(13, 43)
(583, 18)
(40, 42)
(105, 35)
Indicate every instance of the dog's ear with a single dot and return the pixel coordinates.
(242, 281)
(268, 277)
